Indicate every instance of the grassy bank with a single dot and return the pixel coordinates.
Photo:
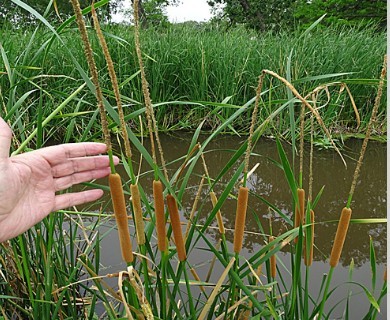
(211, 72)
(53, 271)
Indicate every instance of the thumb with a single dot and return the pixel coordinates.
(5, 139)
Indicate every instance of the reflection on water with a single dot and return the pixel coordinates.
(268, 181)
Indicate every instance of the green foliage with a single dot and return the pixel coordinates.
(287, 14)
(57, 11)
(343, 12)
(259, 15)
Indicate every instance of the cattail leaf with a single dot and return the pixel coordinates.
(369, 295)
(373, 264)
(331, 75)
(287, 171)
(317, 198)
(369, 220)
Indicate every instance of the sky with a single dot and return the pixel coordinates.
(194, 10)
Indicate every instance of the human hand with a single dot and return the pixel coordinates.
(29, 181)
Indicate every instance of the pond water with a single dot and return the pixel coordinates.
(269, 182)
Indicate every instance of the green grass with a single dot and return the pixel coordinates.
(202, 65)
(49, 273)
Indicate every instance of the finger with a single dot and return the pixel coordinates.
(67, 200)
(75, 165)
(5, 139)
(57, 154)
(76, 178)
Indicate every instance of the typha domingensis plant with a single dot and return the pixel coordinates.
(115, 182)
(299, 210)
(118, 202)
(242, 199)
(346, 212)
(138, 216)
(176, 227)
(272, 259)
(160, 215)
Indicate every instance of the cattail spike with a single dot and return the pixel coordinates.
(299, 210)
(118, 202)
(272, 259)
(341, 233)
(214, 201)
(242, 204)
(138, 216)
(160, 215)
(176, 227)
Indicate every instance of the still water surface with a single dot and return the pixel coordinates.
(269, 182)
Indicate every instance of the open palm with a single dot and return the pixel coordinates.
(29, 181)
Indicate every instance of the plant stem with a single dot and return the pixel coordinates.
(328, 280)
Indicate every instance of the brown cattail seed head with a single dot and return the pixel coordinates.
(138, 216)
(160, 215)
(176, 227)
(308, 262)
(118, 202)
(341, 233)
(242, 204)
(299, 210)
(214, 201)
(272, 259)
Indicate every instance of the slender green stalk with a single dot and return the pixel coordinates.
(325, 296)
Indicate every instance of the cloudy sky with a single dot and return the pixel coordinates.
(197, 10)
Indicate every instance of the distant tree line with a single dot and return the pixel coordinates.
(262, 15)
(266, 15)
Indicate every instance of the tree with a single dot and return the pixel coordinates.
(151, 12)
(275, 14)
(258, 14)
(57, 11)
(345, 12)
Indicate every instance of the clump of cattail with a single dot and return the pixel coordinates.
(272, 259)
(160, 215)
(138, 216)
(309, 259)
(242, 204)
(214, 201)
(341, 233)
(299, 210)
(176, 227)
(118, 202)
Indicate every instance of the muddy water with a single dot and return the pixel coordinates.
(269, 182)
